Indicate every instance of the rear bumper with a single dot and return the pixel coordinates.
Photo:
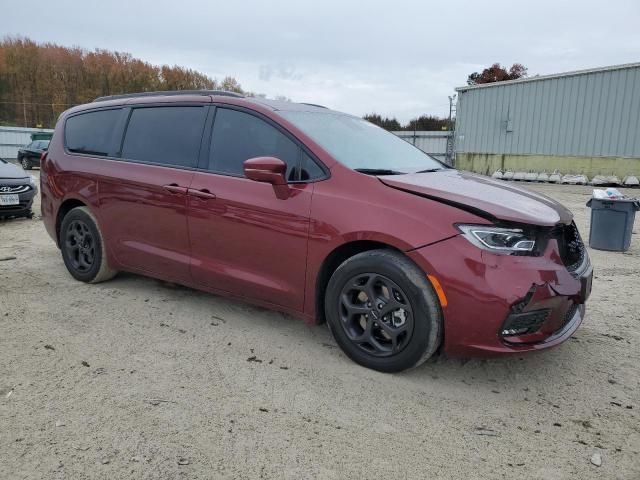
(486, 292)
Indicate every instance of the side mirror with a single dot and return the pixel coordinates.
(266, 169)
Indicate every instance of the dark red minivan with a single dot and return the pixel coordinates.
(316, 213)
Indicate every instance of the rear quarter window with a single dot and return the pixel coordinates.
(93, 133)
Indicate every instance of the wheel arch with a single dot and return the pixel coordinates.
(65, 207)
(333, 260)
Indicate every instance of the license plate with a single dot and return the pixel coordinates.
(586, 280)
(9, 200)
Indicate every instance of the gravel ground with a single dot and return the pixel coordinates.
(135, 378)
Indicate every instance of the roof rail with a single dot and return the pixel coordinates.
(170, 93)
(313, 105)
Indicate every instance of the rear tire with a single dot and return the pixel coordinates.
(383, 311)
(82, 246)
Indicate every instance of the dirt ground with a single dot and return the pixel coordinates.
(135, 378)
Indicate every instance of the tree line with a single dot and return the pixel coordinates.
(40, 81)
(423, 122)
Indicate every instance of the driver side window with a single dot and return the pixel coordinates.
(238, 136)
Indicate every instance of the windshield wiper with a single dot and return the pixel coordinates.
(378, 171)
(429, 170)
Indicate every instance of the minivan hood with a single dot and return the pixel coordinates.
(10, 170)
(483, 195)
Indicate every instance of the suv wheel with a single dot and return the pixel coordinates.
(82, 247)
(383, 312)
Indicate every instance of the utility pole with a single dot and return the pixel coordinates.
(452, 98)
(24, 110)
(450, 138)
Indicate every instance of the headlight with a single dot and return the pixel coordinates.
(498, 240)
(32, 180)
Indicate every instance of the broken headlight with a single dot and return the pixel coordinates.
(499, 240)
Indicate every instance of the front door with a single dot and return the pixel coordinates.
(244, 239)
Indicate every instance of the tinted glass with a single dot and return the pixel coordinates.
(310, 169)
(166, 135)
(239, 136)
(95, 132)
(359, 144)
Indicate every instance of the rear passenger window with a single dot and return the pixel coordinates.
(239, 136)
(165, 135)
(94, 133)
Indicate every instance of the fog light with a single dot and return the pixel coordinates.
(513, 331)
(524, 323)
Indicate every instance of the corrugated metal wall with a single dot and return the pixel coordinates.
(594, 113)
(432, 142)
(12, 138)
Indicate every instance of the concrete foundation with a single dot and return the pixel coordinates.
(487, 163)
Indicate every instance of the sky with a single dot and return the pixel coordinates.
(399, 59)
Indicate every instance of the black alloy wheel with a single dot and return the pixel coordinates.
(383, 311)
(83, 247)
(376, 314)
(80, 246)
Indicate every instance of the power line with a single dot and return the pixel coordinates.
(36, 103)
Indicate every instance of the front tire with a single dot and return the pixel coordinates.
(383, 312)
(82, 246)
(26, 163)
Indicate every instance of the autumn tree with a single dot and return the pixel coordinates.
(38, 81)
(497, 73)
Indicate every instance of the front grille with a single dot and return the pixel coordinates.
(570, 245)
(13, 189)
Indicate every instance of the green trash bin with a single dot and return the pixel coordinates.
(612, 223)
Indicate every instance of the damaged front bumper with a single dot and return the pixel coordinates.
(504, 303)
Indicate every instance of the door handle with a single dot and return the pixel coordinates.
(202, 193)
(175, 188)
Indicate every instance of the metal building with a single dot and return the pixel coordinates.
(12, 138)
(432, 142)
(586, 121)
